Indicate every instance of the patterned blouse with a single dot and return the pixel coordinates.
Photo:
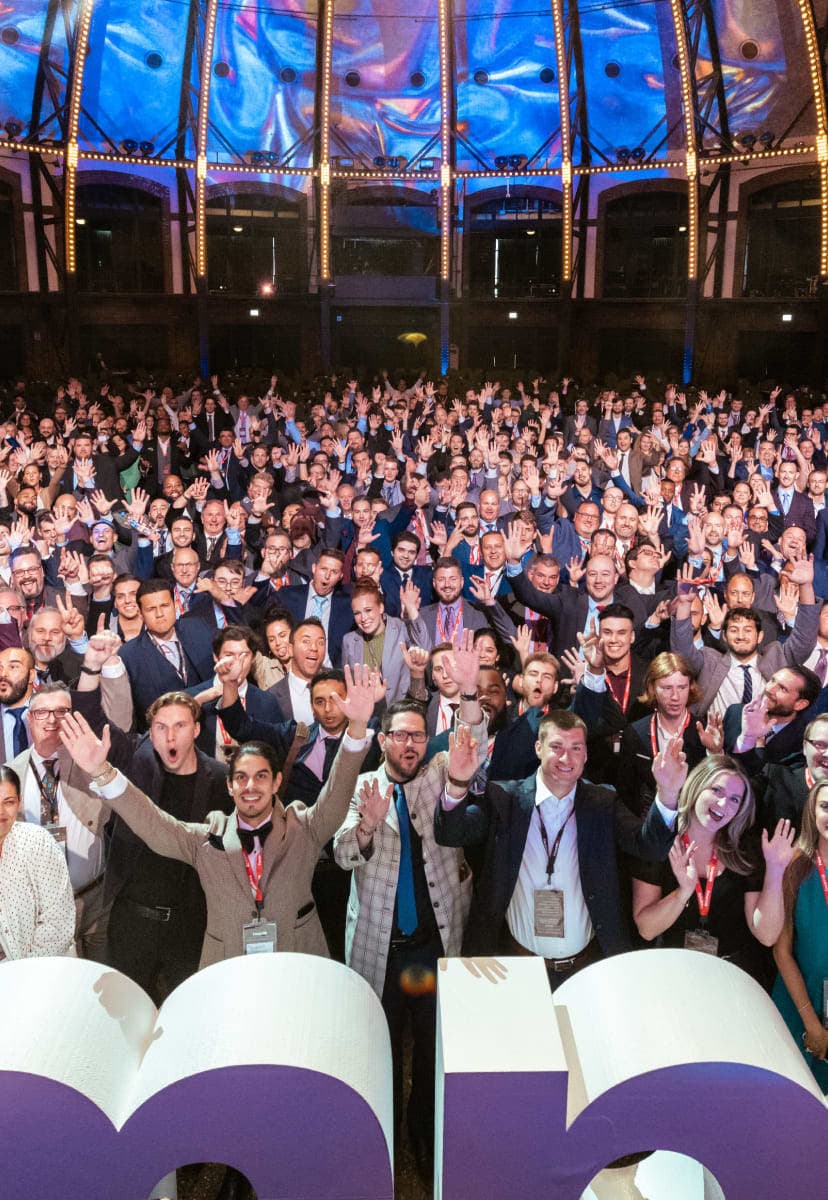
(37, 907)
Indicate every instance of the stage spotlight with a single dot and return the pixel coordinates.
(481, 77)
(129, 145)
(623, 154)
(13, 128)
(749, 50)
(340, 162)
(767, 138)
(748, 140)
(221, 69)
(147, 149)
(417, 79)
(353, 79)
(547, 75)
(266, 289)
(262, 158)
(9, 36)
(638, 154)
(612, 70)
(153, 60)
(287, 75)
(393, 162)
(510, 162)
(428, 164)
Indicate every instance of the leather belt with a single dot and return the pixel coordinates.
(157, 913)
(88, 887)
(556, 964)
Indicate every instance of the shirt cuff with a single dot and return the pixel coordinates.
(113, 671)
(595, 683)
(233, 537)
(79, 645)
(513, 569)
(668, 815)
(112, 790)
(450, 802)
(351, 743)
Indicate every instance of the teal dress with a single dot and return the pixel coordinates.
(810, 949)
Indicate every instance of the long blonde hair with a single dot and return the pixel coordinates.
(802, 863)
(729, 843)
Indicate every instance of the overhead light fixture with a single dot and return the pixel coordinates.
(747, 140)
(510, 162)
(238, 229)
(129, 145)
(682, 229)
(13, 128)
(254, 312)
(513, 316)
(767, 138)
(638, 154)
(262, 158)
(391, 162)
(266, 288)
(80, 220)
(353, 79)
(340, 162)
(147, 149)
(428, 164)
(531, 232)
(623, 154)
(787, 316)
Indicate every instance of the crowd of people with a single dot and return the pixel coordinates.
(392, 673)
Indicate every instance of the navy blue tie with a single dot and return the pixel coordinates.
(20, 739)
(406, 901)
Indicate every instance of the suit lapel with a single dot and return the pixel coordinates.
(526, 807)
(235, 857)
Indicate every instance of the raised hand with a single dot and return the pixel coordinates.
(373, 805)
(575, 570)
(480, 588)
(778, 850)
(590, 643)
(747, 556)
(716, 612)
(576, 666)
(103, 645)
(711, 735)
(100, 501)
(71, 620)
(358, 705)
(463, 664)
(85, 749)
(522, 642)
(683, 865)
(755, 721)
(410, 600)
(416, 659)
(670, 771)
(462, 754)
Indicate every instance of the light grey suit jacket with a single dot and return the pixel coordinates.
(290, 855)
(394, 670)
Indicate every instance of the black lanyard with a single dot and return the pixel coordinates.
(551, 855)
(52, 801)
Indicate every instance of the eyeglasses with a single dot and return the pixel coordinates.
(820, 747)
(400, 736)
(23, 571)
(42, 715)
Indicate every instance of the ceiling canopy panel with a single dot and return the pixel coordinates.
(263, 80)
(34, 67)
(632, 84)
(385, 80)
(132, 77)
(507, 83)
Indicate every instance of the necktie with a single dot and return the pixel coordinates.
(247, 836)
(747, 687)
(170, 652)
(405, 578)
(211, 427)
(406, 902)
(211, 545)
(821, 666)
(48, 792)
(331, 747)
(786, 503)
(319, 604)
(20, 738)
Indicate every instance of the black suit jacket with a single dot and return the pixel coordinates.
(295, 600)
(107, 474)
(568, 608)
(785, 747)
(606, 722)
(513, 753)
(634, 765)
(501, 820)
(421, 577)
(151, 674)
(801, 513)
(260, 706)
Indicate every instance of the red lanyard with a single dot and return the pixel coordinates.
(255, 877)
(654, 731)
(822, 878)
(704, 901)
(627, 686)
(441, 629)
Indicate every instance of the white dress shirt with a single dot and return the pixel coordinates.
(300, 699)
(520, 915)
(84, 850)
(732, 688)
(37, 908)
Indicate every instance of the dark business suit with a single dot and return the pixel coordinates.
(801, 513)
(150, 672)
(513, 753)
(567, 609)
(390, 583)
(634, 765)
(261, 706)
(784, 747)
(295, 600)
(501, 820)
(107, 474)
(606, 722)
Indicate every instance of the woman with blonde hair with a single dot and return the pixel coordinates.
(801, 989)
(721, 890)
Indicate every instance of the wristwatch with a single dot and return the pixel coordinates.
(105, 775)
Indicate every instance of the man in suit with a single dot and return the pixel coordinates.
(209, 423)
(740, 671)
(796, 508)
(449, 617)
(157, 914)
(574, 424)
(29, 579)
(550, 881)
(402, 570)
(233, 647)
(307, 656)
(319, 598)
(17, 677)
(88, 471)
(54, 790)
(781, 789)
(409, 896)
(167, 655)
(514, 754)
(279, 846)
(614, 423)
(160, 457)
(376, 641)
(771, 727)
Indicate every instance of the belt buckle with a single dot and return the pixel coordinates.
(562, 964)
(163, 914)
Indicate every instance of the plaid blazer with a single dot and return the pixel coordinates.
(370, 916)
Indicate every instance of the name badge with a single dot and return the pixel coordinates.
(58, 832)
(701, 940)
(259, 937)
(549, 913)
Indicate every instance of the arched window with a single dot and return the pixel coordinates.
(120, 245)
(255, 245)
(645, 244)
(782, 240)
(9, 279)
(385, 232)
(515, 247)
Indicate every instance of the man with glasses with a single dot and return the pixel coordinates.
(12, 617)
(782, 788)
(55, 792)
(28, 578)
(388, 842)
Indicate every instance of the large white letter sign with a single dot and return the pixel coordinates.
(277, 1064)
(655, 1050)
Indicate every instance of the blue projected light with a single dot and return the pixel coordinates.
(24, 22)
